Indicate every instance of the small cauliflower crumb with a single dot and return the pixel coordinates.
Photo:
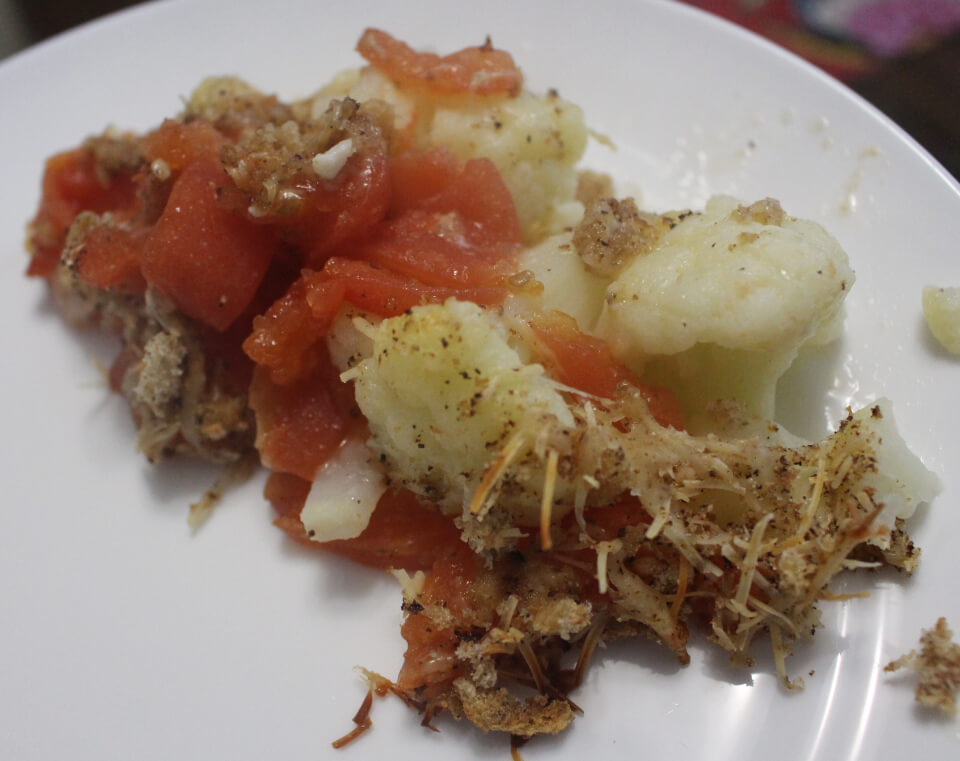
(941, 310)
(938, 666)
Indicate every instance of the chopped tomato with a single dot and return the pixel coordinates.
(479, 194)
(383, 292)
(287, 493)
(300, 425)
(481, 70)
(179, 144)
(586, 363)
(284, 337)
(337, 211)
(205, 259)
(430, 659)
(110, 258)
(416, 176)
(71, 184)
(402, 533)
(450, 224)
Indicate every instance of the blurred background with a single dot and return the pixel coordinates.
(901, 55)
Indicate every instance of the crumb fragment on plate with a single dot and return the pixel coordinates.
(938, 666)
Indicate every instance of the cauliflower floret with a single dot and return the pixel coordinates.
(444, 393)
(900, 481)
(366, 84)
(725, 301)
(568, 286)
(941, 309)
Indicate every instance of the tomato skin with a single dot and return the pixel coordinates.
(300, 425)
(586, 363)
(205, 259)
(71, 185)
(478, 70)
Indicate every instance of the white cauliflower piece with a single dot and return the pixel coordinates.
(444, 392)
(344, 494)
(367, 84)
(725, 300)
(900, 481)
(348, 339)
(568, 286)
(941, 310)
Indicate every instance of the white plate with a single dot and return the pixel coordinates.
(124, 637)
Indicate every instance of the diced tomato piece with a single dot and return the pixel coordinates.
(434, 249)
(71, 185)
(430, 661)
(110, 258)
(287, 493)
(430, 658)
(283, 339)
(179, 144)
(402, 533)
(383, 292)
(480, 70)
(300, 425)
(450, 224)
(479, 194)
(586, 363)
(416, 176)
(205, 259)
(339, 210)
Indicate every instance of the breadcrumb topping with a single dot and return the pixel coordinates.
(938, 667)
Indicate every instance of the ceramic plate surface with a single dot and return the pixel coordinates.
(124, 636)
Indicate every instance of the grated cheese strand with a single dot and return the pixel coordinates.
(678, 599)
(749, 567)
(546, 504)
(495, 472)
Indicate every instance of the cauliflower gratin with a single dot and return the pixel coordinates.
(548, 411)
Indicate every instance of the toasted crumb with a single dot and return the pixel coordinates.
(593, 186)
(612, 233)
(938, 666)
(499, 711)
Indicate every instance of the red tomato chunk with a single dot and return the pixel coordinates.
(207, 260)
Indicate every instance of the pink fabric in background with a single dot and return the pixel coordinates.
(892, 27)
